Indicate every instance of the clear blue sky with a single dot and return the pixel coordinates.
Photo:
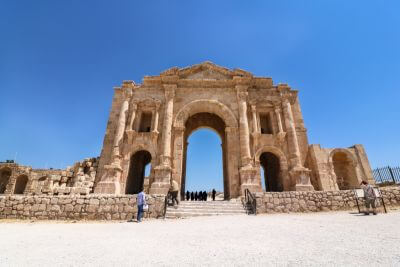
(60, 59)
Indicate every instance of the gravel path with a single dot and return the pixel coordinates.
(339, 238)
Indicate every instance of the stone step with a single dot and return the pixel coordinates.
(208, 207)
(205, 208)
(188, 214)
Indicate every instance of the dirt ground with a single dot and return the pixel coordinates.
(313, 239)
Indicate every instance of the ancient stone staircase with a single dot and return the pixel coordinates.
(187, 209)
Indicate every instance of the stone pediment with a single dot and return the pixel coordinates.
(205, 71)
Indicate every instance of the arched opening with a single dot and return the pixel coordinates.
(5, 175)
(20, 184)
(343, 166)
(204, 159)
(270, 170)
(137, 171)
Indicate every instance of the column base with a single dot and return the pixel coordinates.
(248, 176)
(252, 187)
(301, 177)
(162, 180)
(110, 181)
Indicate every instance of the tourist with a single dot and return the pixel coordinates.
(196, 196)
(141, 202)
(192, 196)
(369, 196)
(213, 194)
(205, 195)
(174, 192)
(187, 195)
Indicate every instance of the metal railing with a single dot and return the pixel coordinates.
(250, 201)
(167, 196)
(387, 175)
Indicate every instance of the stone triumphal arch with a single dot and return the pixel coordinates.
(260, 125)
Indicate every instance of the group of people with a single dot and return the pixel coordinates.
(196, 196)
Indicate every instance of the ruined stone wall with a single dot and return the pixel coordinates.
(314, 201)
(78, 179)
(92, 207)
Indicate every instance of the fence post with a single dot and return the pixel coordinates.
(391, 174)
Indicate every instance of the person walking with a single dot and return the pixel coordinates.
(187, 195)
(205, 195)
(174, 192)
(369, 196)
(141, 202)
(196, 196)
(213, 194)
(192, 196)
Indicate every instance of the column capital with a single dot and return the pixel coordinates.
(127, 92)
(169, 90)
(157, 104)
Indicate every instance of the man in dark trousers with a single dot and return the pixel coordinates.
(187, 196)
(205, 195)
(192, 196)
(196, 196)
(213, 194)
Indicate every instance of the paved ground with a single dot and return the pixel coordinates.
(285, 240)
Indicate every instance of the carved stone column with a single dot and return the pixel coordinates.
(167, 127)
(110, 182)
(281, 134)
(120, 132)
(133, 115)
(244, 125)
(247, 171)
(294, 150)
(278, 118)
(155, 122)
(255, 124)
(162, 178)
(300, 175)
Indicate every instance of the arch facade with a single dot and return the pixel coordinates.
(258, 117)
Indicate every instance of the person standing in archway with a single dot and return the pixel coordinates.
(174, 192)
(369, 196)
(213, 194)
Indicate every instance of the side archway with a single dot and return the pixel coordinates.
(135, 180)
(275, 166)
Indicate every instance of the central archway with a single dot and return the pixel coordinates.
(214, 123)
(212, 114)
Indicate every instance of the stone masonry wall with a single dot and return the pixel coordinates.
(91, 207)
(313, 201)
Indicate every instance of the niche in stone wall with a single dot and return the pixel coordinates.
(265, 123)
(145, 122)
(20, 184)
(344, 168)
(5, 174)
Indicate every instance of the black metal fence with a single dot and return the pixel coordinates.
(387, 175)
